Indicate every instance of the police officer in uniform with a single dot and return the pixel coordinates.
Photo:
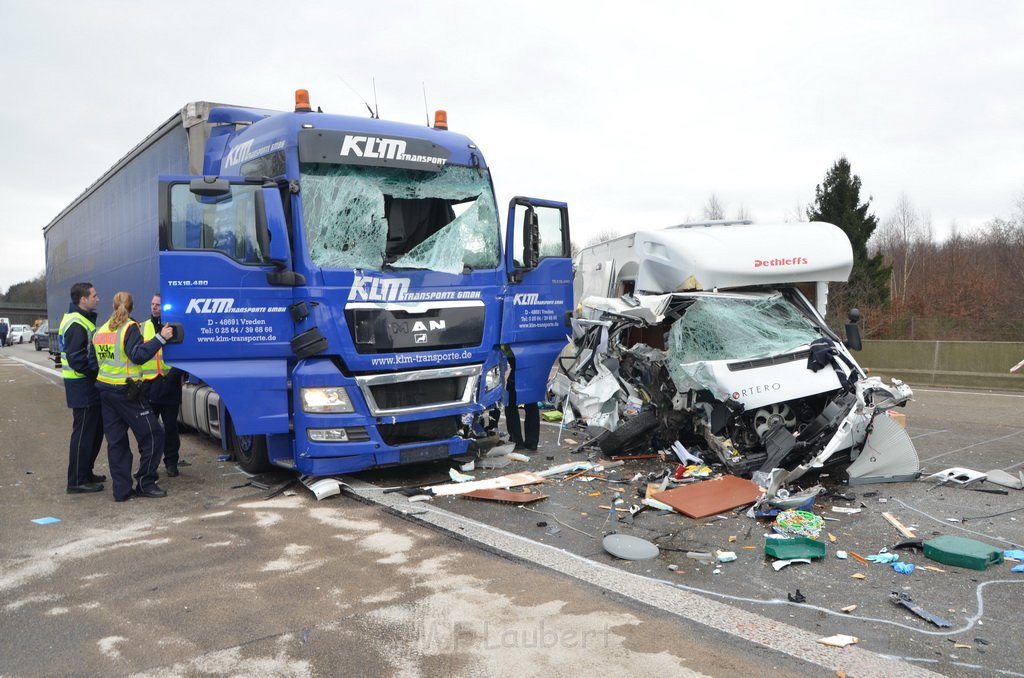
(163, 391)
(79, 372)
(120, 351)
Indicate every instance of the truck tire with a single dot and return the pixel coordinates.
(250, 452)
(628, 432)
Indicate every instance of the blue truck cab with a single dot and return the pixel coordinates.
(342, 293)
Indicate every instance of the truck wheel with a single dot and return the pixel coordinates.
(628, 432)
(250, 452)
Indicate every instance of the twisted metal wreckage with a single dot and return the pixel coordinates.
(709, 343)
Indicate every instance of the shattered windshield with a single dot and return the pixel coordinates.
(731, 328)
(380, 218)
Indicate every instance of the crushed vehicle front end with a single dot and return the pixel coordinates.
(749, 376)
(755, 378)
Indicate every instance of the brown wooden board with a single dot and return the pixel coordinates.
(505, 496)
(709, 497)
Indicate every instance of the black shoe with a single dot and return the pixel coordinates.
(96, 478)
(182, 462)
(84, 488)
(172, 472)
(155, 493)
(124, 498)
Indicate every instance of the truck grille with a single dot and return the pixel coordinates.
(420, 391)
(419, 431)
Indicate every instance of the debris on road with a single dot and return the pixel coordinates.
(839, 640)
(628, 547)
(708, 497)
(904, 600)
(962, 552)
(505, 496)
(788, 548)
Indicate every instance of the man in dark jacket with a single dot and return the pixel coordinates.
(4, 329)
(79, 372)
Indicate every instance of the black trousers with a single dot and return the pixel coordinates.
(119, 415)
(530, 437)
(168, 415)
(86, 440)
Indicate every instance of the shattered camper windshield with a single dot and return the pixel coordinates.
(737, 328)
(380, 218)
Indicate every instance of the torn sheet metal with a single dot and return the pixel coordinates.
(888, 455)
(904, 600)
(322, 487)
(1003, 478)
(958, 476)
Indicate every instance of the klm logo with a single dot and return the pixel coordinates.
(367, 288)
(373, 147)
(210, 306)
(525, 299)
(238, 153)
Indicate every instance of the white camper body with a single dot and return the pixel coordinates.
(715, 255)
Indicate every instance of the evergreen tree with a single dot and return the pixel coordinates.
(837, 201)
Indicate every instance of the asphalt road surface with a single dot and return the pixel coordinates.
(218, 579)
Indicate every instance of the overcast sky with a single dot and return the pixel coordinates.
(633, 113)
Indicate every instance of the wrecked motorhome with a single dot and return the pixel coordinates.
(706, 334)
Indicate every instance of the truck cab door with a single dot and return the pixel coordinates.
(538, 299)
(226, 287)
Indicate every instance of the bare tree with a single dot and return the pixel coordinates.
(900, 240)
(713, 209)
(743, 214)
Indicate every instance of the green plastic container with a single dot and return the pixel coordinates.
(962, 552)
(794, 547)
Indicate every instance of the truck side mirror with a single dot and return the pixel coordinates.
(853, 341)
(531, 239)
(210, 187)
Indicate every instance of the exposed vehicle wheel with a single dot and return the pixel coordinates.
(38, 347)
(628, 432)
(250, 452)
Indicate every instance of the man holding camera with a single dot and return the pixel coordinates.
(162, 386)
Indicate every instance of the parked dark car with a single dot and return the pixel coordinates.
(41, 337)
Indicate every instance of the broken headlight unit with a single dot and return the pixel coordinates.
(326, 400)
(492, 379)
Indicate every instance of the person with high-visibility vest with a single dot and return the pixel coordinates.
(162, 386)
(120, 353)
(79, 371)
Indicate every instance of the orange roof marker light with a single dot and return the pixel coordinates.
(302, 101)
(440, 119)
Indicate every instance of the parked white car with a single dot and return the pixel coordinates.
(19, 334)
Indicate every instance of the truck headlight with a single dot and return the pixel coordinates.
(492, 379)
(327, 435)
(327, 399)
